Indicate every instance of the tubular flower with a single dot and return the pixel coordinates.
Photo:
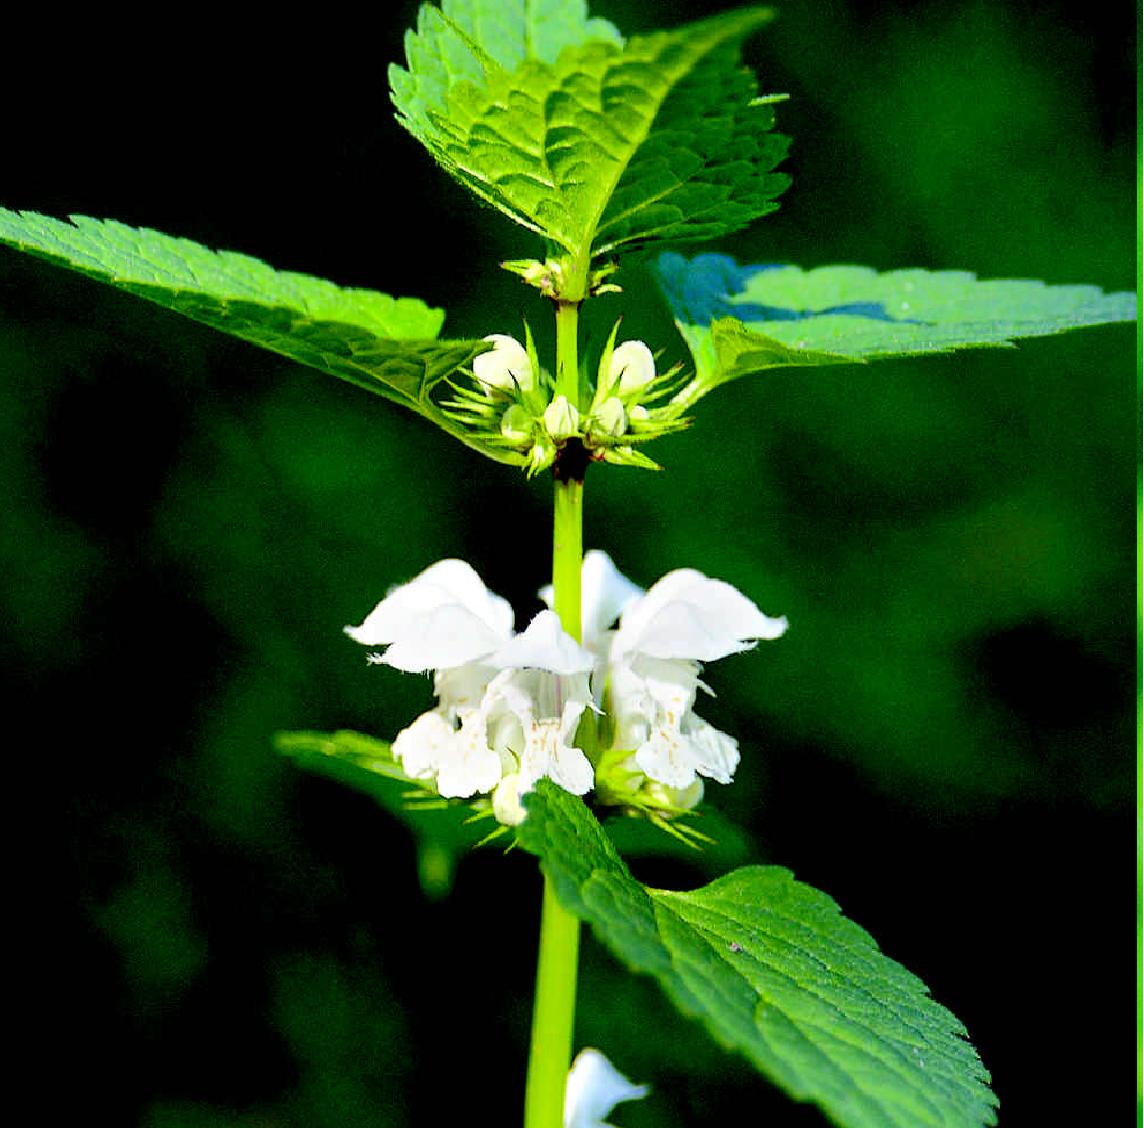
(507, 704)
(594, 1087)
(647, 677)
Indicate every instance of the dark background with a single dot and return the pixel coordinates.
(943, 740)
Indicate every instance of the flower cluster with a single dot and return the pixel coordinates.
(513, 407)
(509, 705)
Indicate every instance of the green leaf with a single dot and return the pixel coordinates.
(383, 344)
(444, 830)
(464, 39)
(773, 970)
(606, 145)
(738, 320)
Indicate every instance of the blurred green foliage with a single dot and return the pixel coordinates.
(942, 741)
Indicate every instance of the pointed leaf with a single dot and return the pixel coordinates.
(737, 320)
(773, 970)
(444, 831)
(383, 344)
(605, 146)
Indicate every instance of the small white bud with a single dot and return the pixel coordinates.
(634, 365)
(506, 366)
(506, 801)
(610, 418)
(561, 419)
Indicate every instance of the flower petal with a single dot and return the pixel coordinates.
(543, 645)
(604, 593)
(595, 1086)
(687, 615)
(548, 751)
(443, 618)
(716, 754)
(421, 746)
(667, 757)
(471, 767)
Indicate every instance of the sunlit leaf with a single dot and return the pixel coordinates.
(464, 40)
(738, 320)
(774, 970)
(603, 145)
(383, 344)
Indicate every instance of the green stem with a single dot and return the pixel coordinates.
(567, 554)
(554, 1007)
(554, 1010)
(567, 367)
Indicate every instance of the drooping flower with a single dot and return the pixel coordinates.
(508, 705)
(683, 620)
(649, 674)
(594, 1087)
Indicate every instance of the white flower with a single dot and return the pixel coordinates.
(687, 615)
(530, 711)
(594, 1087)
(651, 664)
(683, 620)
(508, 705)
(505, 366)
(609, 418)
(442, 619)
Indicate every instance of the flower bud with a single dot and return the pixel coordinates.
(634, 365)
(506, 366)
(610, 418)
(561, 419)
(516, 424)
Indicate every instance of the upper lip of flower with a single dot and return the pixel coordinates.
(443, 618)
(685, 614)
(688, 615)
(446, 618)
(543, 645)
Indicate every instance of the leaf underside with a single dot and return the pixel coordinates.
(772, 969)
(595, 144)
(737, 320)
(447, 830)
(383, 344)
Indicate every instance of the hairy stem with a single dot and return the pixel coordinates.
(554, 1006)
